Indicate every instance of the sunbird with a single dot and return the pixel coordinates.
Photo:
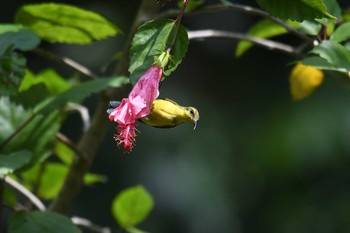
(165, 113)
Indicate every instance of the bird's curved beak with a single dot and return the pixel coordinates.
(195, 124)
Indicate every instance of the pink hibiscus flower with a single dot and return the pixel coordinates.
(137, 105)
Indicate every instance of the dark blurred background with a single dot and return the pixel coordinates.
(258, 162)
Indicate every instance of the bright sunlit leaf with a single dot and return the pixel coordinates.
(91, 178)
(49, 77)
(132, 206)
(56, 22)
(64, 153)
(303, 80)
(262, 29)
(51, 176)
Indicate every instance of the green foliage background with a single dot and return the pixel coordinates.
(258, 162)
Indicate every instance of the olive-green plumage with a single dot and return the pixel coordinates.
(166, 113)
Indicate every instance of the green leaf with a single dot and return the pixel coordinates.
(192, 5)
(40, 222)
(347, 45)
(64, 153)
(51, 180)
(342, 33)
(13, 161)
(28, 100)
(134, 230)
(346, 15)
(51, 177)
(150, 40)
(12, 64)
(322, 64)
(55, 22)
(334, 53)
(333, 8)
(79, 92)
(12, 69)
(10, 28)
(53, 81)
(92, 178)
(298, 10)
(132, 206)
(36, 137)
(263, 29)
(48, 178)
(16, 37)
(10, 197)
(310, 27)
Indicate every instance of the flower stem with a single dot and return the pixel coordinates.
(177, 24)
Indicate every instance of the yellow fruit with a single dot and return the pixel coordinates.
(303, 80)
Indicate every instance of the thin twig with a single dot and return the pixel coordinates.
(177, 23)
(268, 44)
(67, 61)
(89, 225)
(243, 8)
(83, 112)
(23, 190)
(17, 131)
(64, 139)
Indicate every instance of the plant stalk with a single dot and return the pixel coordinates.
(177, 24)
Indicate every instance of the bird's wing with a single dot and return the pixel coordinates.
(172, 101)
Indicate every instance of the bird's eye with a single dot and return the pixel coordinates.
(192, 112)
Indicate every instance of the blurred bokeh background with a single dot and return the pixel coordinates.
(258, 162)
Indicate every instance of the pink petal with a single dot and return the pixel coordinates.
(137, 105)
(140, 99)
(122, 114)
